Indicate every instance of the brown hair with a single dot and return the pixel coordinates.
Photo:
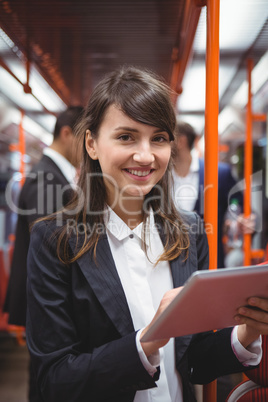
(146, 99)
(69, 117)
(183, 128)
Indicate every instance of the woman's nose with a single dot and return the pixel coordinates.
(144, 154)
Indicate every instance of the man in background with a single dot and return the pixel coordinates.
(46, 189)
(188, 175)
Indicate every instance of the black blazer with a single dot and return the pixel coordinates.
(38, 195)
(80, 333)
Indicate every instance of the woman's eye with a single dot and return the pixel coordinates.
(160, 138)
(124, 137)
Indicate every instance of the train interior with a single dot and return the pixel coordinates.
(53, 53)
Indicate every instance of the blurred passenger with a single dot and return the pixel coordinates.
(46, 189)
(188, 175)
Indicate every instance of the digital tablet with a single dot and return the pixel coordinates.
(209, 301)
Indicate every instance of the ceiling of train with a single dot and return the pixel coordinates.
(74, 43)
(82, 40)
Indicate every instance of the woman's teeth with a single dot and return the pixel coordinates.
(138, 172)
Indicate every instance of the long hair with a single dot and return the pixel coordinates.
(143, 97)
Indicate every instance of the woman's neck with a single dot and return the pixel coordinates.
(130, 211)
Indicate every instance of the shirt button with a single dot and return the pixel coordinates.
(131, 236)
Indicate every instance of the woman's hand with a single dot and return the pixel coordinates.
(252, 320)
(151, 347)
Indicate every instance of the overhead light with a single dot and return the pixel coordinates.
(13, 115)
(251, 17)
(6, 42)
(14, 59)
(196, 121)
(230, 115)
(43, 91)
(37, 131)
(40, 88)
(193, 98)
(13, 90)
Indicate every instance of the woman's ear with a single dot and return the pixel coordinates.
(90, 145)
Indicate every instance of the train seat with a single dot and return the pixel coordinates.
(255, 388)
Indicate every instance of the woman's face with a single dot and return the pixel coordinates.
(133, 156)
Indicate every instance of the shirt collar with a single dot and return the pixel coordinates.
(119, 229)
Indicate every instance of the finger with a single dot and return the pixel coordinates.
(168, 297)
(170, 294)
(259, 302)
(255, 314)
(262, 328)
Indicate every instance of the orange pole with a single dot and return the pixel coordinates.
(212, 146)
(248, 166)
(211, 127)
(182, 53)
(259, 117)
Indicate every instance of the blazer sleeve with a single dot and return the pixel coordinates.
(65, 370)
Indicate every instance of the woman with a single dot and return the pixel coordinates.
(98, 271)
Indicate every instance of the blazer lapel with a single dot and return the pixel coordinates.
(105, 282)
(181, 269)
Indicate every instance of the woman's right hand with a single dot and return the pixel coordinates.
(152, 346)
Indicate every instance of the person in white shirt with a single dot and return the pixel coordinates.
(101, 274)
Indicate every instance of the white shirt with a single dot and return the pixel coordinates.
(185, 190)
(67, 169)
(144, 285)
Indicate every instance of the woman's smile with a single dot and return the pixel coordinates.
(138, 173)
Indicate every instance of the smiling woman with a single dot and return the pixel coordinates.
(127, 127)
(93, 293)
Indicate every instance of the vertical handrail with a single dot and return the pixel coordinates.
(248, 165)
(211, 127)
(211, 146)
(250, 118)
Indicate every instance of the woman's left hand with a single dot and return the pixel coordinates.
(252, 320)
